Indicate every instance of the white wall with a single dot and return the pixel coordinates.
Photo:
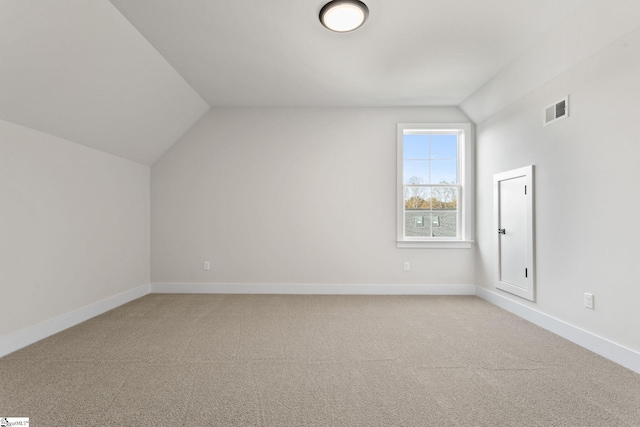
(593, 25)
(74, 226)
(587, 173)
(291, 196)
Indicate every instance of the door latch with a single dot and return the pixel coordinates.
(501, 231)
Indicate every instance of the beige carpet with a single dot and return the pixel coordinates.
(284, 360)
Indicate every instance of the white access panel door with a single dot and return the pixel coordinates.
(514, 232)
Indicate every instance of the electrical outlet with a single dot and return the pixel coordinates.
(207, 265)
(588, 300)
(407, 266)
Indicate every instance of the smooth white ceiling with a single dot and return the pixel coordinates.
(77, 69)
(276, 53)
(130, 77)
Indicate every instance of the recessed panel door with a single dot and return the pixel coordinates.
(513, 222)
(513, 230)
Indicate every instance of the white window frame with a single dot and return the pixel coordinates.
(466, 187)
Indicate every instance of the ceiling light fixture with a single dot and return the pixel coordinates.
(343, 15)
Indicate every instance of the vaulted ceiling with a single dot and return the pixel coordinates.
(130, 77)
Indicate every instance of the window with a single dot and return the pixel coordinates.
(434, 185)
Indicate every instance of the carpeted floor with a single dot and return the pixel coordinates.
(302, 360)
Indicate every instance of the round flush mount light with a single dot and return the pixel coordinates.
(343, 15)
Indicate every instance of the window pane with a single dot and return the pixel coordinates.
(447, 221)
(444, 198)
(432, 163)
(444, 147)
(412, 218)
(445, 211)
(444, 171)
(417, 198)
(416, 172)
(416, 146)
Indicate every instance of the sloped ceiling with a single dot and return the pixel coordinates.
(276, 53)
(591, 27)
(78, 70)
(130, 77)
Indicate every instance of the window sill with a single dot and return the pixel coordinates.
(434, 244)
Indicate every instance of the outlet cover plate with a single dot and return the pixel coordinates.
(588, 300)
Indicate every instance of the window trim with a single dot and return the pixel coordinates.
(466, 183)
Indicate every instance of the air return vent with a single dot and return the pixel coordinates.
(556, 111)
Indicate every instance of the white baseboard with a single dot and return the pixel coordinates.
(610, 350)
(621, 355)
(310, 289)
(28, 336)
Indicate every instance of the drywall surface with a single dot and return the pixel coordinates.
(592, 26)
(586, 208)
(74, 226)
(79, 70)
(291, 196)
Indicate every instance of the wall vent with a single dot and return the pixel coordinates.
(556, 111)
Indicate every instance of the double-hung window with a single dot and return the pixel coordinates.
(435, 191)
